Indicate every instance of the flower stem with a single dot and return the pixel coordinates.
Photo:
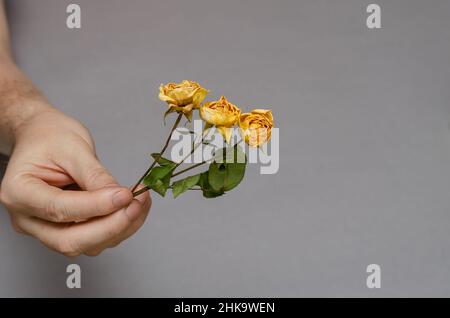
(197, 164)
(175, 125)
(189, 168)
(204, 134)
(139, 192)
(144, 189)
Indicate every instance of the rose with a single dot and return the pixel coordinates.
(256, 126)
(182, 97)
(222, 114)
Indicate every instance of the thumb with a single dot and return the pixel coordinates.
(102, 194)
(56, 205)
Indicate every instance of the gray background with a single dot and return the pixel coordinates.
(365, 147)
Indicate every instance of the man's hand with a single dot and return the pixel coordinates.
(54, 187)
(52, 153)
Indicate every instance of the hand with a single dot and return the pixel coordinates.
(51, 153)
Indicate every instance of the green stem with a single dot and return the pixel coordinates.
(139, 192)
(198, 164)
(188, 189)
(204, 134)
(145, 189)
(189, 168)
(175, 125)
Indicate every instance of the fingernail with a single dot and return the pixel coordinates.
(121, 198)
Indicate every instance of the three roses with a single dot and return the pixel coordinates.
(255, 127)
(225, 171)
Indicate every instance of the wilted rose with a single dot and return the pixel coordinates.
(221, 114)
(256, 127)
(182, 97)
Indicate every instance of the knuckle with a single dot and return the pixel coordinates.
(52, 211)
(93, 253)
(68, 247)
(57, 212)
(114, 232)
(115, 244)
(71, 254)
(98, 173)
(16, 225)
(5, 196)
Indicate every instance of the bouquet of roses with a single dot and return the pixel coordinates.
(226, 165)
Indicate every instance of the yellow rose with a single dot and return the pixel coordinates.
(255, 127)
(221, 114)
(182, 97)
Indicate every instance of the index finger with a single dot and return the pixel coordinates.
(78, 238)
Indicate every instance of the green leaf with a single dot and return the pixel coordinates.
(230, 154)
(161, 160)
(208, 192)
(228, 172)
(159, 178)
(216, 175)
(158, 173)
(203, 181)
(161, 185)
(181, 186)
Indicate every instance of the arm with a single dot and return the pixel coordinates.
(19, 99)
(50, 153)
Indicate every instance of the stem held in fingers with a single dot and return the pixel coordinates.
(140, 191)
(175, 125)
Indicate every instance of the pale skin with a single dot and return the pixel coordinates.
(55, 189)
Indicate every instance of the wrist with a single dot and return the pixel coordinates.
(20, 101)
